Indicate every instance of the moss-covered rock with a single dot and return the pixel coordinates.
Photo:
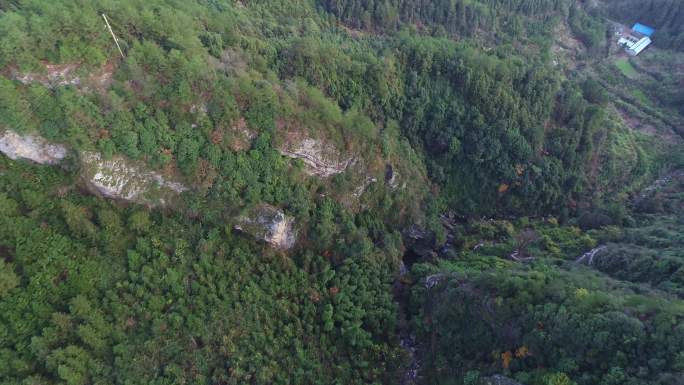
(121, 178)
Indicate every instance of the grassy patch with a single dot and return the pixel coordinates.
(626, 67)
(640, 96)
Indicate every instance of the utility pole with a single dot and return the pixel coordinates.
(113, 36)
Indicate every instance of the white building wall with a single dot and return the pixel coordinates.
(639, 46)
(625, 42)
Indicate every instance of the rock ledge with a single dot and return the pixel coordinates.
(269, 224)
(31, 147)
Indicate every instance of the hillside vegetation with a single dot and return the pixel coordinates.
(442, 133)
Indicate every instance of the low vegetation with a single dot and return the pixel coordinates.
(626, 67)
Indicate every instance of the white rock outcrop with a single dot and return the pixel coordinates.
(115, 178)
(31, 147)
(359, 190)
(269, 224)
(320, 159)
(67, 74)
(55, 75)
(120, 178)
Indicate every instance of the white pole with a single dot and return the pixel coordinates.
(113, 36)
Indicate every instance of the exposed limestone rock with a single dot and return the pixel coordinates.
(433, 280)
(31, 147)
(358, 191)
(392, 177)
(116, 178)
(320, 159)
(119, 178)
(56, 75)
(269, 224)
(588, 257)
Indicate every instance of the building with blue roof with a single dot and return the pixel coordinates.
(643, 29)
(638, 39)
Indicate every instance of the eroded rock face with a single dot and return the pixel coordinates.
(358, 191)
(119, 178)
(269, 224)
(59, 75)
(320, 159)
(31, 147)
(56, 75)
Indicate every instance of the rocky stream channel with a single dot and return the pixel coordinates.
(421, 246)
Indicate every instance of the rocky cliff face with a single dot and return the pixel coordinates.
(31, 147)
(269, 224)
(320, 159)
(119, 178)
(60, 75)
(126, 180)
(55, 75)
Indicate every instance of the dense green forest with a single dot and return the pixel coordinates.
(568, 325)
(504, 19)
(441, 172)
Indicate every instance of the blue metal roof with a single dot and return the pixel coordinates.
(643, 29)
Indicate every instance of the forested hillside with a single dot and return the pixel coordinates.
(333, 192)
(504, 19)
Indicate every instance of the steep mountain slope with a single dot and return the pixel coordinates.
(231, 200)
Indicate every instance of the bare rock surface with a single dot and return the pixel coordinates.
(127, 180)
(31, 147)
(588, 257)
(321, 159)
(120, 178)
(60, 75)
(55, 75)
(359, 190)
(269, 224)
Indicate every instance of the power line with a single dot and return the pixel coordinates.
(113, 36)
